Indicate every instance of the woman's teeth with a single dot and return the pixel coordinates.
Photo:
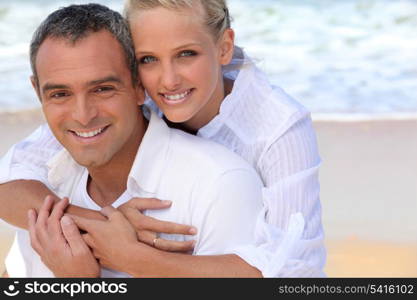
(177, 96)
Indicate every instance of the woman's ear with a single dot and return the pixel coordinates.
(227, 46)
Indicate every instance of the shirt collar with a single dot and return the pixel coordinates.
(152, 156)
(242, 71)
(149, 163)
(62, 167)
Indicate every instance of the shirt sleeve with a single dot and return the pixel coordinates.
(23, 261)
(15, 260)
(27, 159)
(289, 239)
(229, 214)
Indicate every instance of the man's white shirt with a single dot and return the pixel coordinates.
(210, 187)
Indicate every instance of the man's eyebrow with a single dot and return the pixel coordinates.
(104, 80)
(53, 86)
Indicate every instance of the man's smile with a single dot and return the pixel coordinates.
(89, 134)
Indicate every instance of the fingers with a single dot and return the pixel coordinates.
(54, 225)
(31, 218)
(173, 246)
(45, 228)
(146, 237)
(45, 209)
(156, 225)
(73, 236)
(88, 240)
(108, 211)
(149, 238)
(83, 223)
(147, 203)
(32, 231)
(142, 222)
(59, 209)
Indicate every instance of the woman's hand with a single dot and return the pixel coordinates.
(114, 241)
(148, 228)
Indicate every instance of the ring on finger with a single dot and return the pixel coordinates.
(154, 240)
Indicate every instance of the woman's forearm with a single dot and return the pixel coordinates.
(17, 197)
(167, 264)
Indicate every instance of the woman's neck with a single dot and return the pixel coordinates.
(208, 113)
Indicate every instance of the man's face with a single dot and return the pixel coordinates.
(88, 98)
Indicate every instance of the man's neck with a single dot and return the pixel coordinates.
(107, 187)
(107, 183)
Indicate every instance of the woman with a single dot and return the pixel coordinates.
(203, 84)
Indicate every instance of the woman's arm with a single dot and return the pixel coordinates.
(290, 171)
(125, 253)
(168, 264)
(23, 174)
(17, 197)
(225, 215)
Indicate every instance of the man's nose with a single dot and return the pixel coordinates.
(84, 111)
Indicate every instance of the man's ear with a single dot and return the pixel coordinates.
(140, 94)
(227, 46)
(35, 85)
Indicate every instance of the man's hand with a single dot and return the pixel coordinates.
(59, 243)
(114, 241)
(148, 228)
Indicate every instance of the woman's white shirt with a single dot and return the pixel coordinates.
(274, 133)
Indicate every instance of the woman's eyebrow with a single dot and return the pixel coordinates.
(187, 45)
(145, 52)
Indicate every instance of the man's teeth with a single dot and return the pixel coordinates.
(177, 96)
(89, 134)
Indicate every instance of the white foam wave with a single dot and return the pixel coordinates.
(341, 57)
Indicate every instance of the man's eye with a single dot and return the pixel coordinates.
(59, 95)
(147, 60)
(103, 89)
(188, 53)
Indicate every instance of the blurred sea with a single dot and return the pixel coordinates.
(339, 58)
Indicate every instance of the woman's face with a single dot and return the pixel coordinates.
(180, 63)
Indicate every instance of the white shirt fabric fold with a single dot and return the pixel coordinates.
(274, 134)
(211, 188)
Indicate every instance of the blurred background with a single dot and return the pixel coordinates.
(352, 63)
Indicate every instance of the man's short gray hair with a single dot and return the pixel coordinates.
(76, 22)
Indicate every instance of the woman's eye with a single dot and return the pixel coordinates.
(187, 53)
(147, 60)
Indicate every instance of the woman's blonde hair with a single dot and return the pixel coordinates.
(216, 13)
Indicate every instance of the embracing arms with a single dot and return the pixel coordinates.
(17, 197)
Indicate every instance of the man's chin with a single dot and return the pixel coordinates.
(89, 161)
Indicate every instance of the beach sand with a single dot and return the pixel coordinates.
(369, 197)
(368, 193)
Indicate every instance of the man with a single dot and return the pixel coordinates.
(85, 76)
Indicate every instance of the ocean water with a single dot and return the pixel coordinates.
(345, 57)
